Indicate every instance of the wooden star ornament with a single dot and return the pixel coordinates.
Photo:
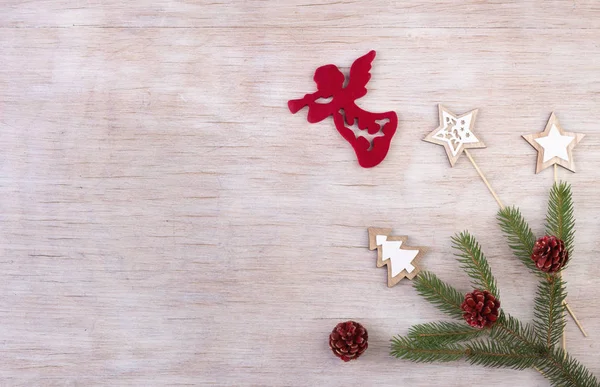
(554, 145)
(401, 260)
(455, 133)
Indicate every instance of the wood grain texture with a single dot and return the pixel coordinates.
(166, 221)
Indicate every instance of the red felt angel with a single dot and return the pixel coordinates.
(341, 105)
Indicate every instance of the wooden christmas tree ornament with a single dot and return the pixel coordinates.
(554, 145)
(401, 260)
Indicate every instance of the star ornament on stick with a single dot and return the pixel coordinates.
(401, 260)
(554, 145)
(455, 133)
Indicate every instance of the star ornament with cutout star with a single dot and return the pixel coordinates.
(554, 145)
(401, 260)
(455, 133)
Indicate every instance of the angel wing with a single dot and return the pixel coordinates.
(360, 75)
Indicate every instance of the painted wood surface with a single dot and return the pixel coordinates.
(164, 219)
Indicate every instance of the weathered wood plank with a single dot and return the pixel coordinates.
(166, 221)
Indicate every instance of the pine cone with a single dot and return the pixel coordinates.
(550, 254)
(481, 309)
(348, 340)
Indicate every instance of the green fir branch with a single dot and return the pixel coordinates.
(494, 354)
(549, 321)
(511, 343)
(560, 220)
(510, 331)
(562, 370)
(443, 296)
(423, 352)
(443, 332)
(520, 237)
(474, 263)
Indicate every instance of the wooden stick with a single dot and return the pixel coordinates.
(575, 319)
(487, 184)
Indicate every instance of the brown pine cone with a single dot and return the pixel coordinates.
(481, 309)
(348, 340)
(550, 254)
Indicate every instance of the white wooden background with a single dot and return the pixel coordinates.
(164, 219)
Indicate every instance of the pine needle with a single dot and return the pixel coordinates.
(443, 296)
(443, 332)
(549, 321)
(495, 354)
(510, 331)
(560, 220)
(406, 348)
(519, 235)
(474, 263)
(562, 370)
